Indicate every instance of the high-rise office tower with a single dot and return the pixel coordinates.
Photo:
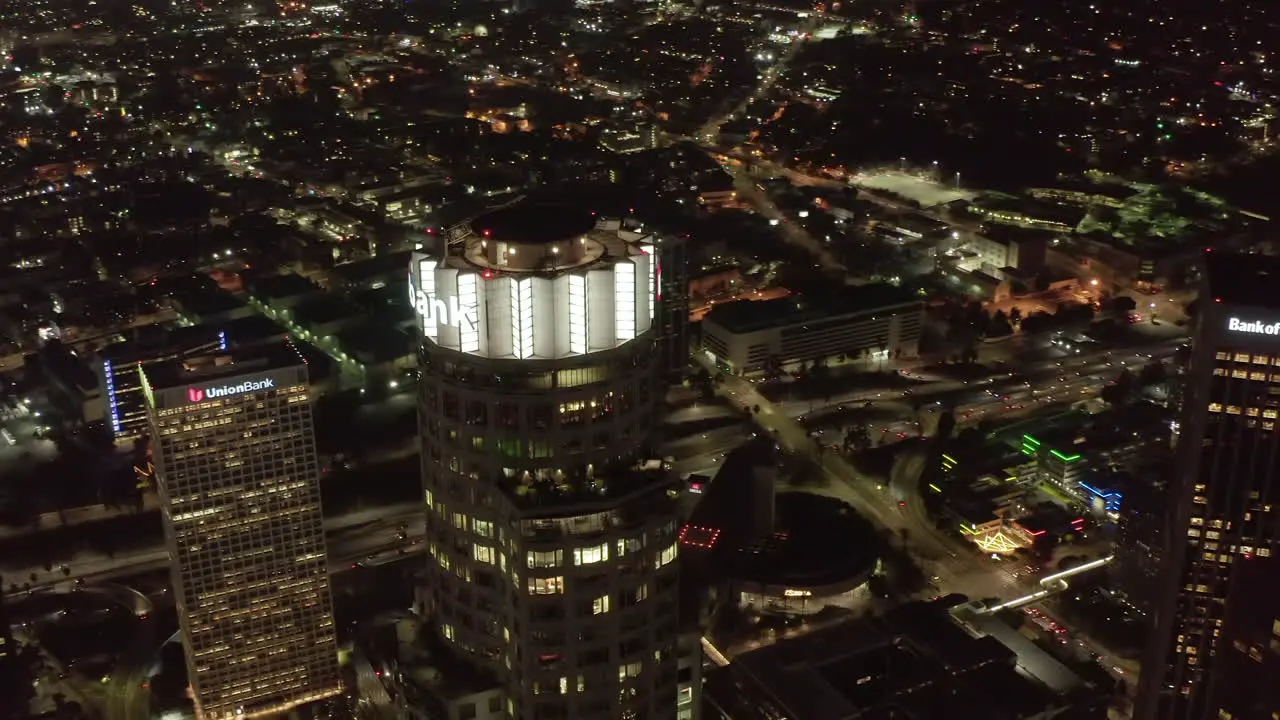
(1225, 496)
(239, 487)
(553, 540)
(117, 370)
(15, 685)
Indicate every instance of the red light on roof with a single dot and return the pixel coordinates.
(1217, 300)
(697, 536)
(488, 275)
(486, 233)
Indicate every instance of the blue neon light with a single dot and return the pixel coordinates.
(1110, 498)
(111, 394)
(222, 340)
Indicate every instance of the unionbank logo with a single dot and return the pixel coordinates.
(196, 395)
(1254, 327)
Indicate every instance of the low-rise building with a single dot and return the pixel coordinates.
(867, 320)
(916, 661)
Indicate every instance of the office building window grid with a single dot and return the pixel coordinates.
(242, 505)
(1233, 505)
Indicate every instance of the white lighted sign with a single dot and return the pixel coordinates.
(196, 395)
(1253, 327)
(444, 311)
(789, 592)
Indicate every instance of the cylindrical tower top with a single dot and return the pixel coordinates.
(536, 236)
(536, 282)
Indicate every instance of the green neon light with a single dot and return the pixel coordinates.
(1029, 439)
(948, 458)
(1064, 458)
(935, 488)
(146, 387)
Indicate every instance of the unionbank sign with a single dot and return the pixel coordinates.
(1253, 327)
(211, 392)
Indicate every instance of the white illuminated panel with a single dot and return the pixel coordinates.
(468, 301)
(653, 276)
(624, 301)
(522, 318)
(426, 292)
(526, 315)
(577, 314)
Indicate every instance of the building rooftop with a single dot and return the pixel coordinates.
(252, 330)
(914, 663)
(1031, 659)
(148, 341)
(180, 372)
(387, 268)
(280, 287)
(530, 223)
(388, 303)
(374, 341)
(321, 309)
(799, 309)
(202, 298)
(1243, 279)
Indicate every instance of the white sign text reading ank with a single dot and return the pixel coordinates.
(445, 311)
(1254, 327)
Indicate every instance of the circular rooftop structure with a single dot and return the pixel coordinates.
(533, 236)
(821, 549)
(534, 223)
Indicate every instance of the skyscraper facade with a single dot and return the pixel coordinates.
(117, 366)
(15, 685)
(1225, 496)
(237, 475)
(552, 538)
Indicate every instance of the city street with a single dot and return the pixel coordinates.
(351, 538)
(956, 567)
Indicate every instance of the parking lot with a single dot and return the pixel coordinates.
(22, 440)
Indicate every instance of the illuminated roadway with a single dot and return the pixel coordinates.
(350, 538)
(954, 564)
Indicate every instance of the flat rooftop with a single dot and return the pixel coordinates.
(386, 266)
(322, 309)
(387, 303)
(534, 223)
(374, 341)
(799, 309)
(914, 662)
(150, 341)
(280, 287)
(177, 372)
(203, 298)
(1031, 659)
